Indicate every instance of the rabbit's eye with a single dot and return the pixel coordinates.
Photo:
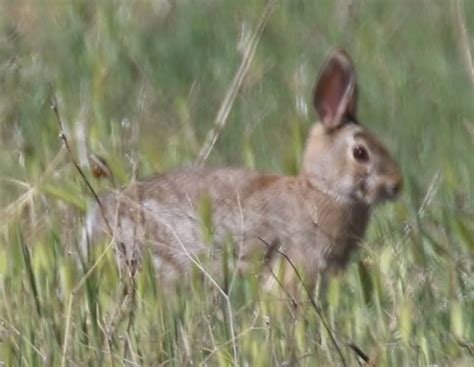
(360, 153)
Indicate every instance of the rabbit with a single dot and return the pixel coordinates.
(315, 219)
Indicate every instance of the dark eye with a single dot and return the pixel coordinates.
(360, 153)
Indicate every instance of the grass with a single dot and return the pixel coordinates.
(140, 84)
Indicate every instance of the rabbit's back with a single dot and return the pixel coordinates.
(180, 215)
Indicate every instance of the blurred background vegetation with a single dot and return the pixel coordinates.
(140, 84)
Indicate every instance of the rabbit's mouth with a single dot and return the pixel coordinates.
(392, 190)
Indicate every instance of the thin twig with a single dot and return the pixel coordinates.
(62, 135)
(11, 327)
(430, 194)
(359, 352)
(66, 333)
(17, 206)
(219, 347)
(315, 306)
(463, 40)
(197, 263)
(235, 85)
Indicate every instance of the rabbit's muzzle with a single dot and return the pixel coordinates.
(388, 188)
(393, 189)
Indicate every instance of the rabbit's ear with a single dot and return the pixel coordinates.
(335, 93)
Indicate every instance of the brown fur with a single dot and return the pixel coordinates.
(316, 218)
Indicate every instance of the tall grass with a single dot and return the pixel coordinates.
(140, 83)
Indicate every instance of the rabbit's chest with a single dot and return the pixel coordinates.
(338, 239)
(323, 239)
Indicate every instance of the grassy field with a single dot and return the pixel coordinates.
(140, 83)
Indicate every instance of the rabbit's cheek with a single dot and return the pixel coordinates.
(378, 194)
(368, 191)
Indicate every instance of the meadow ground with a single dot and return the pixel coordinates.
(140, 84)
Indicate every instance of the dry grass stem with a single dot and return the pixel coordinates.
(235, 85)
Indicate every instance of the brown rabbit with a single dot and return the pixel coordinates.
(316, 218)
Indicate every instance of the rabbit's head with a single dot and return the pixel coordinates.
(342, 158)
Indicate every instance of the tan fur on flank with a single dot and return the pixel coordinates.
(316, 218)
